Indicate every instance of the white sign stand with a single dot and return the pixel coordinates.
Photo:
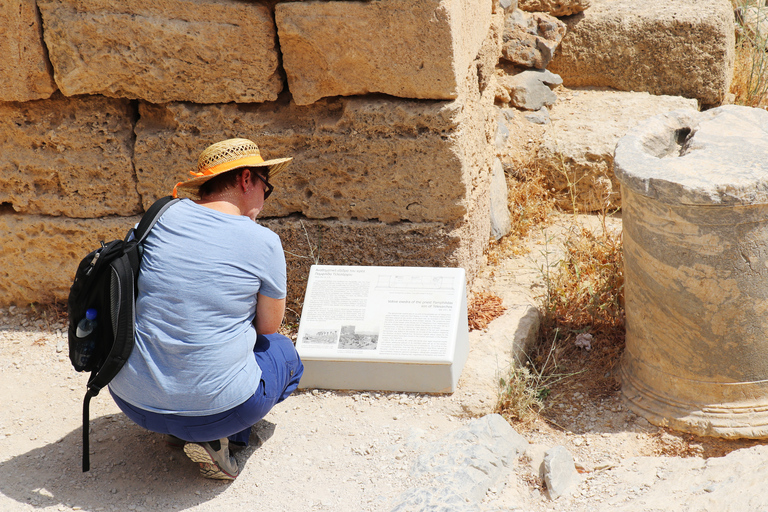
(384, 328)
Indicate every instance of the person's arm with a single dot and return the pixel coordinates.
(269, 314)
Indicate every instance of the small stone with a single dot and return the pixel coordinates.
(560, 472)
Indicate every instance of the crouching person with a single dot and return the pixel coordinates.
(208, 363)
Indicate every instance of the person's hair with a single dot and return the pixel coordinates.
(229, 179)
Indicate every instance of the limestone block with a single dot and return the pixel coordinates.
(554, 7)
(204, 51)
(25, 73)
(684, 48)
(39, 272)
(40, 254)
(405, 48)
(576, 153)
(333, 242)
(530, 40)
(68, 156)
(354, 158)
(456, 472)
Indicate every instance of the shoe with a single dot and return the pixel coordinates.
(214, 459)
(174, 442)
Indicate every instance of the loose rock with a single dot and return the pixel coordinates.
(530, 40)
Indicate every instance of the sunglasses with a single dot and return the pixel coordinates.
(269, 187)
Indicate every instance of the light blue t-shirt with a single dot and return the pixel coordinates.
(199, 277)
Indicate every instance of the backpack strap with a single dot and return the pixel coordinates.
(150, 218)
(86, 429)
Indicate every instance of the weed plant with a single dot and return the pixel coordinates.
(584, 295)
(750, 74)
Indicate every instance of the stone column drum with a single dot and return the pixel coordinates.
(695, 211)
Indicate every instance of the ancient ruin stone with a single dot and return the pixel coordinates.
(333, 242)
(48, 267)
(530, 40)
(40, 254)
(680, 49)
(529, 90)
(488, 56)
(405, 48)
(554, 7)
(576, 153)
(68, 156)
(354, 158)
(25, 73)
(695, 217)
(205, 51)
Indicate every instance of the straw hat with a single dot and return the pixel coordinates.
(224, 156)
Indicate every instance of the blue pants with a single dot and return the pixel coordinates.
(281, 371)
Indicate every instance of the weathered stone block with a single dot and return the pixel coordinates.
(501, 222)
(68, 156)
(40, 254)
(530, 40)
(44, 271)
(354, 158)
(333, 242)
(205, 51)
(576, 153)
(25, 73)
(554, 7)
(685, 48)
(406, 48)
(560, 472)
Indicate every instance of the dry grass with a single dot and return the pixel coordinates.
(521, 395)
(750, 75)
(584, 297)
(529, 208)
(750, 85)
(584, 300)
(582, 330)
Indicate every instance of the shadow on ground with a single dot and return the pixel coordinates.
(131, 468)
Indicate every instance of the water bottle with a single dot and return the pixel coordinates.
(86, 335)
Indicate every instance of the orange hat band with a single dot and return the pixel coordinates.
(254, 160)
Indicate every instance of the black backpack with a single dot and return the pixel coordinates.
(106, 281)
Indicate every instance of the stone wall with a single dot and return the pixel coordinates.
(386, 106)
